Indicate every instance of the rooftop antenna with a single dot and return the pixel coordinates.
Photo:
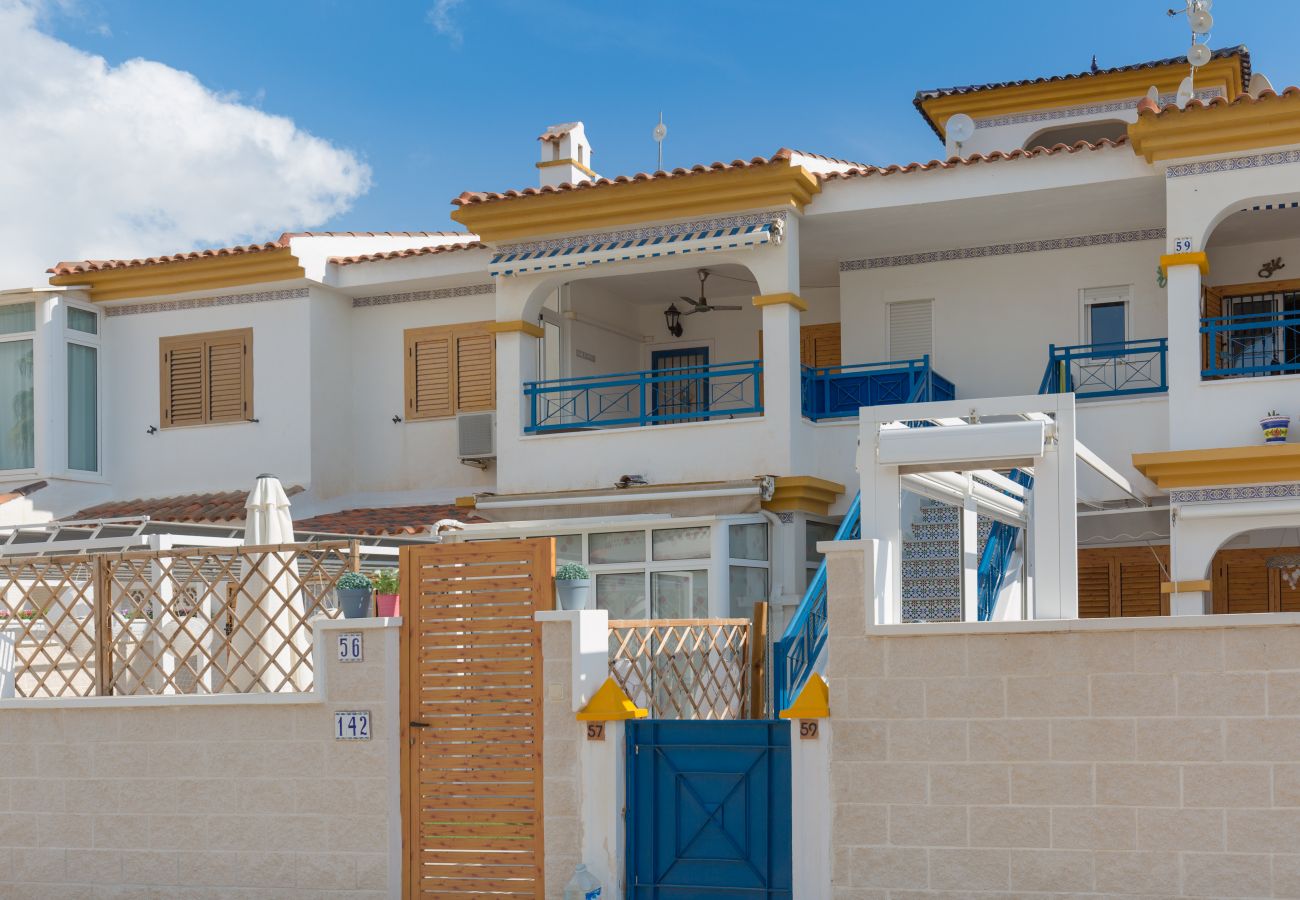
(1200, 20)
(661, 132)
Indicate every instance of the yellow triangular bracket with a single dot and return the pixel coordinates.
(610, 704)
(813, 702)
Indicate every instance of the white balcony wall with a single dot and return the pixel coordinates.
(994, 317)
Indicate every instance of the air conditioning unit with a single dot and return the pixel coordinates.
(476, 435)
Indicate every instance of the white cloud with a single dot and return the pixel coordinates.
(142, 159)
(442, 22)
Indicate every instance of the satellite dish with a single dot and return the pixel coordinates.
(1153, 94)
(661, 132)
(1201, 21)
(1184, 92)
(1199, 55)
(1259, 84)
(961, 128)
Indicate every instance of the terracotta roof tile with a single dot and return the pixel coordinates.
(555, 132)
(296, 234)
(214, 507)
(469, 198)
(959, 161)
(22, 491)
(1222, 53)
(384, 520)
(99, 265)
(410, 251)
(1148, 108)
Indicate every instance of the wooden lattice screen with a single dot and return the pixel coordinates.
(683, 668)
(176, 621)
(473, 657)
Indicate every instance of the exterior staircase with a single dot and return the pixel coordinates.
(931, 578)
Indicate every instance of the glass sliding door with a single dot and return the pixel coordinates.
(83, 408)
(17, 393)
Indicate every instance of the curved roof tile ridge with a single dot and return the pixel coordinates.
(468, 198)
(954, 162)
(77, 267)
(1147, 108)
(408, 252)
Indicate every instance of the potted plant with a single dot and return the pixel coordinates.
(353, 591)
(1275, 427)
(572, 585)
(387, 601)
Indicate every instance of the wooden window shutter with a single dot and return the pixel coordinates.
(206, 378)
(1094, 589)
(1211, 307)
(476, 376)
(911, 330)
(229, 366)
(1122, 581)
(819, 345)
(428, 375)
(1243, 583)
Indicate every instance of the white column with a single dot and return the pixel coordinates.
(812, 811)
(1184, 354)
(781, 377)
(880, 521)
(970, 559)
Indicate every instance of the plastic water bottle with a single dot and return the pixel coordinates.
(582, 886)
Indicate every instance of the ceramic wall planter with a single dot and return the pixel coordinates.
(573, 594)
(1275, 428)
(388, 605)
(355, 602)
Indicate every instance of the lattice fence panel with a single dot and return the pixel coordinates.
(177, 621)
(683, 668)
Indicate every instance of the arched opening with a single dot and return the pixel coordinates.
(1257, 571)
(1251, 305)
(1092, 132)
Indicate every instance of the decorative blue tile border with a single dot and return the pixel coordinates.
(1227, 494)
(1067, 243)
(651, 231)
(1050, 115)
(1233, 164)
(135, 309)
(469, 290)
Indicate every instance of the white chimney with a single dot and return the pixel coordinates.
(566, 155)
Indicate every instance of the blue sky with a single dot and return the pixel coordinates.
(441, 97)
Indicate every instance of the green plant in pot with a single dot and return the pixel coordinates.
(387, 601)
(353, 591)
(572, 586)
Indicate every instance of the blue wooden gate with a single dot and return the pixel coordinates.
(708, 810)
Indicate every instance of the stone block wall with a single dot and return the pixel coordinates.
(1153, 757)
(207, 797)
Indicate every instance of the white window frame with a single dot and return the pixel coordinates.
(718, 563)
(95, 341)
(1089, 297)
(38, 376)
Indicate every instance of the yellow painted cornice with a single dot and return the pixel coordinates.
(529, 328)
(1224, 74)
(803, 493)
(776, 299)
(1198, 259)
(567, 161)
(777, 184)
(181, 276)
(469, 502)
(1206, 130)
(1257, 464)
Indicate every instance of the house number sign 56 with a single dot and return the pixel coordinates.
(352, 725)
(350, 646)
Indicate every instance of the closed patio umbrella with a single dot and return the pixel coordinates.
(274, 639)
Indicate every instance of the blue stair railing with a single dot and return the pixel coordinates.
(997, 555)
(795, 654)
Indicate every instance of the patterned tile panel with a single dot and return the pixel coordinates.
(962, 253)
(135, 309)
(1234, 164)
(1228, 494)
(469, 290)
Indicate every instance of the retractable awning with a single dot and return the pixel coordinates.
(524, 261)
(701, 498)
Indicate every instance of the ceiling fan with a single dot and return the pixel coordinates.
(702, 305)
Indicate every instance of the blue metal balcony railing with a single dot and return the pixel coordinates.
(794, 656)
(688, 394)
(1251, 344)
(1115, 369)
(837, 391)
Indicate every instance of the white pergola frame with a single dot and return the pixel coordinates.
(954, 461)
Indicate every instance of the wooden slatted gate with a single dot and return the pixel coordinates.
(472, 661)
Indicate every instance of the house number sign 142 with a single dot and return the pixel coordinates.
(352, 725)
(350, 647)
